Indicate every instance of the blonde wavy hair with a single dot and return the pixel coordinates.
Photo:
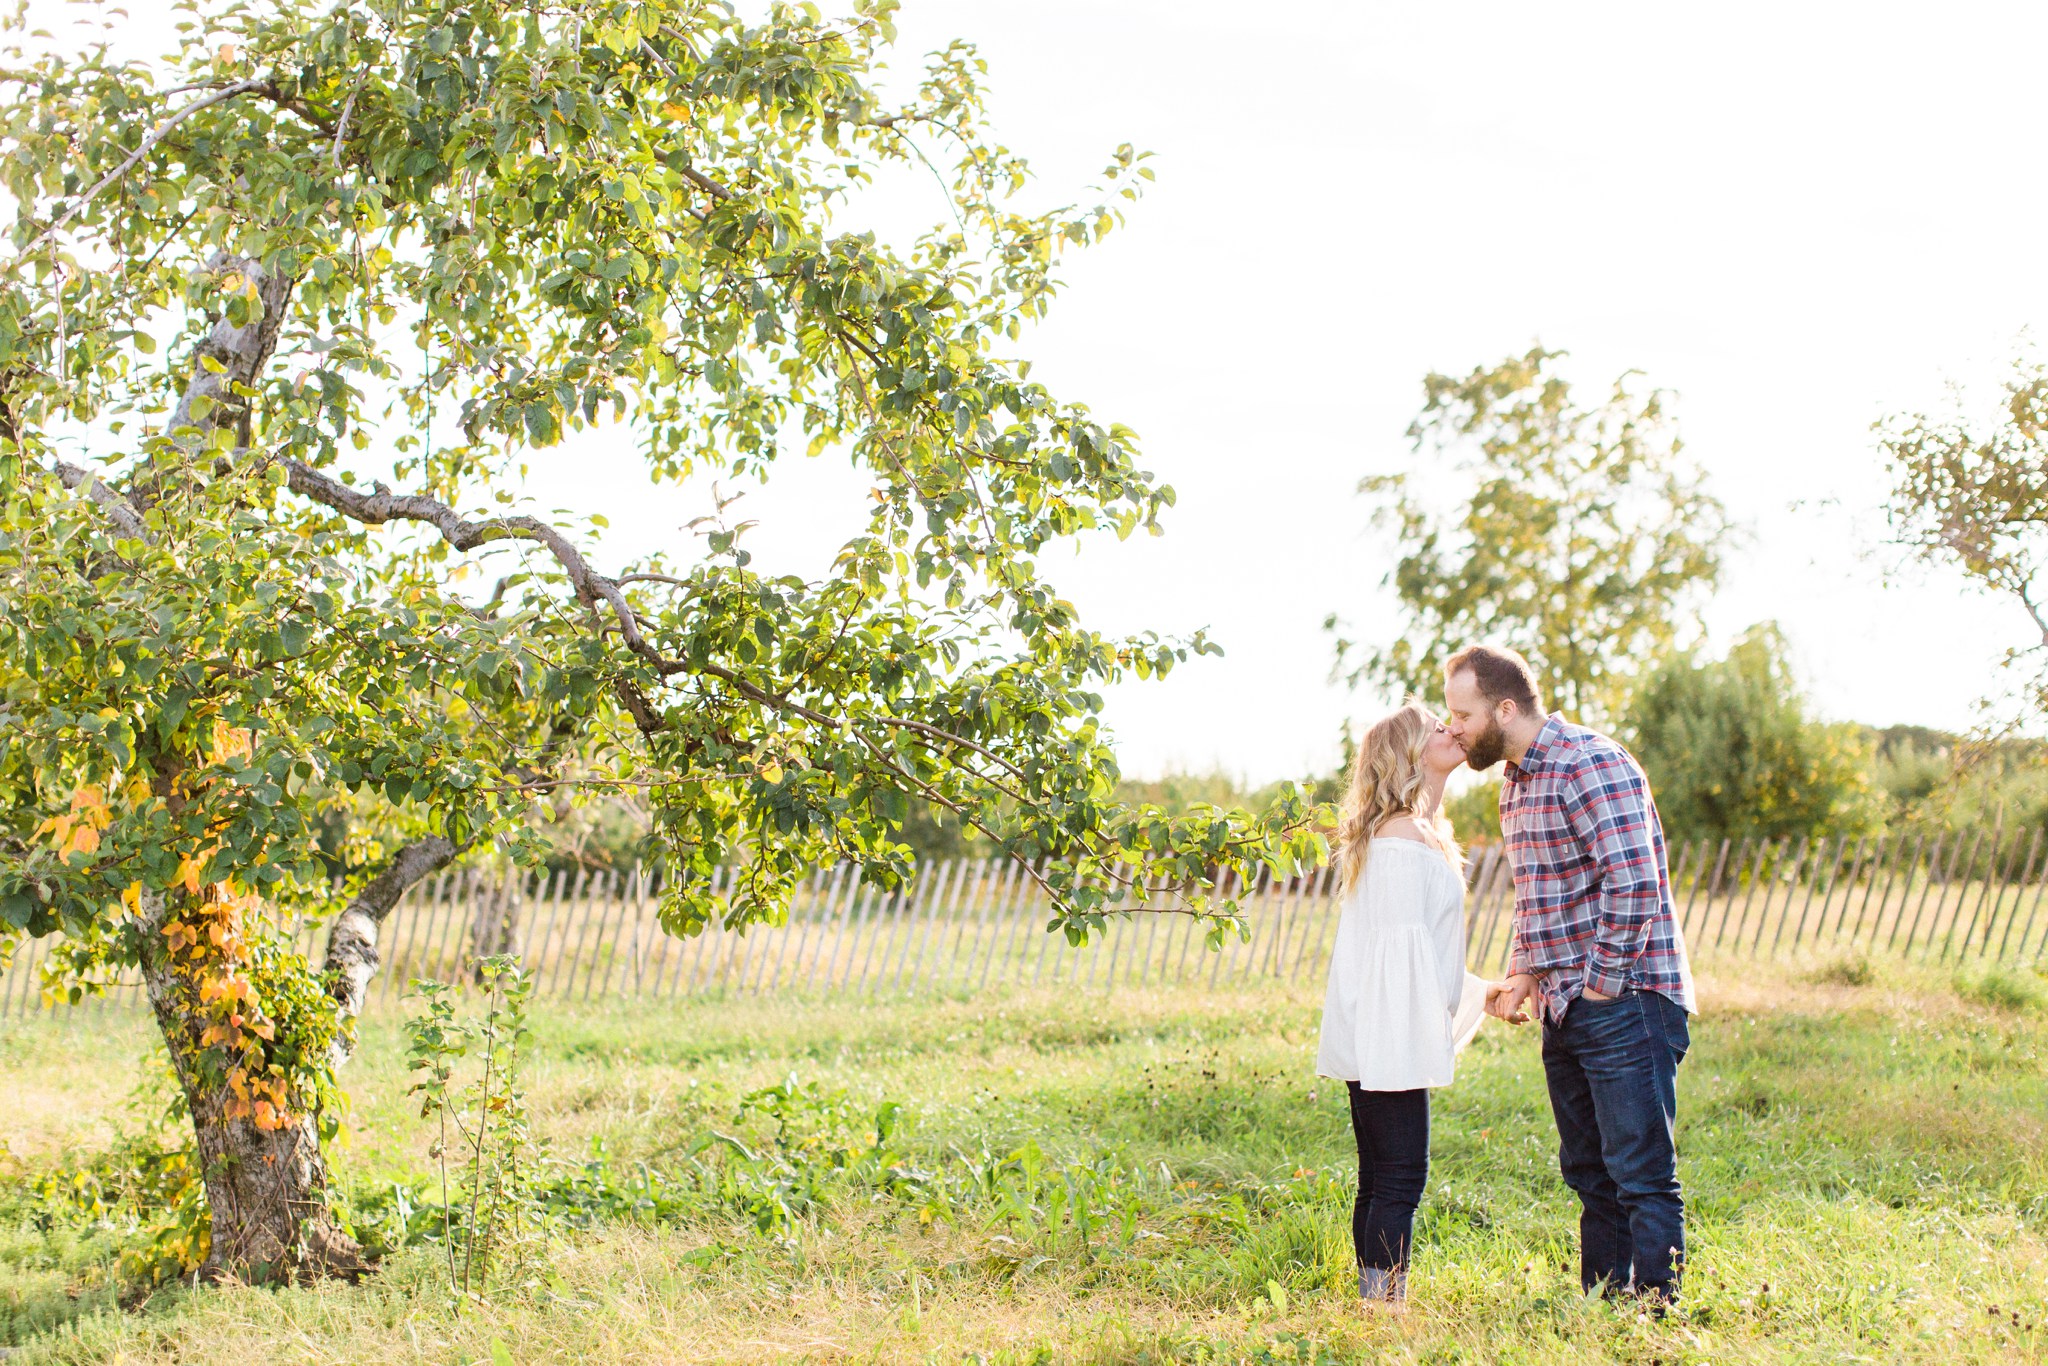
(1386, 783)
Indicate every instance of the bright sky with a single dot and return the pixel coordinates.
(1797, 218)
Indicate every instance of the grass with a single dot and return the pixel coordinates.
(1865, 1156)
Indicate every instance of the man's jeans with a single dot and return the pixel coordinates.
(1613, 1070)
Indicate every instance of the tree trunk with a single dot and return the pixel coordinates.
(266, 1188)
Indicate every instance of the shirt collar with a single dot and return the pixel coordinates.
(1537, 756)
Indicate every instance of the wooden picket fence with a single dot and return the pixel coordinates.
(968, 925)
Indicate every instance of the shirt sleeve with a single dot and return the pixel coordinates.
(1518, 956)
(1607, 802)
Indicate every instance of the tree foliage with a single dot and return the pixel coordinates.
(319, 252)
(1579, 535)
(1977, 500)
(1733, 750)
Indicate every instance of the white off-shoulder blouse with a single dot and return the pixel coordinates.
(1400, 1004)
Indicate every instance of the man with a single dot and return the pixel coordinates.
(1596, 948)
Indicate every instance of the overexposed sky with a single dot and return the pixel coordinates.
(1799, 219)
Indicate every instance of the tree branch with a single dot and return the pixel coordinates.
(142, 150)
(352, 958)
(381, 505)
(117, 508)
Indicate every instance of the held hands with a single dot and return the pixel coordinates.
(1508, 1000)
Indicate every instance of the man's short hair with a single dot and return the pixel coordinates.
(1501, 673)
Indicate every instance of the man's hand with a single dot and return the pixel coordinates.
(1506, 1000)
(1593, 995)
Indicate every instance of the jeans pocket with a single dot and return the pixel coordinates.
(1674, 1027)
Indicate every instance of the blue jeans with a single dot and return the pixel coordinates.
(1613, 1073)
(1392, 1129)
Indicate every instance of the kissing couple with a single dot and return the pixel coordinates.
(1595, 956)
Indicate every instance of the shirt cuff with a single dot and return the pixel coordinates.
(1607, 979)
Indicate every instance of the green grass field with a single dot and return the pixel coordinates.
(1866, 1162)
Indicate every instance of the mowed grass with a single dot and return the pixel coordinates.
(1865, 1154)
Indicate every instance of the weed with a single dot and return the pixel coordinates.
(481, 1121)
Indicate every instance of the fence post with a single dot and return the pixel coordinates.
(771, 972)
(1045, 939)
(1008, 920)
(1766, 855)
(2019, 891)
(458, 915)
(1692, 893)
(535, 951)
(1820, 856)
(1938, 879)
(974, 888)
(1827, 896)
(833, 919)
(2018, 897)
(1791, 889)
(1728, 907)
(1914, 864)
(1962, 891)
(2040, 888)
(1714, 889)
(879, 926)
(948, 891)
(1876, 870)
(1262, 894)
(598, 959)
(1152, 917)
(1990, 880)
(1856, 867)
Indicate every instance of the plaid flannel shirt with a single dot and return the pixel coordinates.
(1593, 903)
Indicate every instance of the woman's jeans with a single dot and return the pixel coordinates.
(1613, 1073)
(1392, 1129)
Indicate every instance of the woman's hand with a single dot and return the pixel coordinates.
(1506, 1000)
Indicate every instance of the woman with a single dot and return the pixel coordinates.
(1392, 1018)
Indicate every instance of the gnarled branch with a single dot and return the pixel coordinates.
(117, 508)
(352, 958)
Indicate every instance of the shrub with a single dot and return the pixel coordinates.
(1732, 750)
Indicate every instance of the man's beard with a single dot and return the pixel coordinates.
(1487, 748)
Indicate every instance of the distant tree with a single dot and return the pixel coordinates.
(1578, 535)
(1733, 750)
(1977, 501)
(1474, 813)
(1933, 778)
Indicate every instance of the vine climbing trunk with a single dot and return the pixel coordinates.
(265, 1178)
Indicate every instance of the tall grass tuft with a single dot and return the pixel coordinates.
(2003, 988)
(1855, 970)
